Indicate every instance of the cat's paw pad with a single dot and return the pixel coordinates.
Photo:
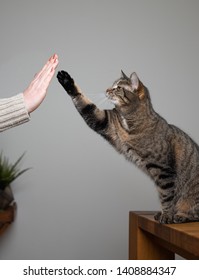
(66, 81)
(163, 218)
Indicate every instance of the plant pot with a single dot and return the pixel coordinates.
(7, 216)
(6, 197)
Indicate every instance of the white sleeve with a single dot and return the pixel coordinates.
(13, 112)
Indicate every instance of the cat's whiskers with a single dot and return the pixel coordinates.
(92, 94)
(103, 101)
(95, 94)
(100, 98)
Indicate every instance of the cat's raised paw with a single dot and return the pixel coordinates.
(67, 82)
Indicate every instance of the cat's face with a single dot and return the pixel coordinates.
(126, 91)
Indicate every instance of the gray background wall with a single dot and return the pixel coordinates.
(74, 203)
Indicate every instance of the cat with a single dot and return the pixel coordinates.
(163, 151)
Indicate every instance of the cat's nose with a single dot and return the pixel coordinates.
(109, 90)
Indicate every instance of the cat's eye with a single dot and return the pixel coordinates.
(121, 92)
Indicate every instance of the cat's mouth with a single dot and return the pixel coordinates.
(109, 91)
(110, 95)
(116, 97)
(112, 98)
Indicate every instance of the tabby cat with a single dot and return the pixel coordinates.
(163, 151)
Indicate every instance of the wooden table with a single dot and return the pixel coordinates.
(149, 240)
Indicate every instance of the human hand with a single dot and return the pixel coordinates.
(36, 91)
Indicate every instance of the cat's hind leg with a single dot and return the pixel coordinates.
(185, 218)
(186, 212)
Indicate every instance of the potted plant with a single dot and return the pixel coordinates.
(8, 173)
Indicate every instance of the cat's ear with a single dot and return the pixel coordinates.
(137, 86)
(124, 75)
(134, 81)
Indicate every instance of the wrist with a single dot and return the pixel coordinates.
(27, 103)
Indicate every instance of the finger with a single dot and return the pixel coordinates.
(51, 68)
(46, 64)
(41, 71)
(49, 77)
(45, 79)
(53, 59)
(53, 63)
(55, 56)
(48, 69)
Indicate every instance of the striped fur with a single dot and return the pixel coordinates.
(164, 152)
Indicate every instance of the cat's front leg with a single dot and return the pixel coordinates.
(166, 195)
(164, 217)
(95, 118)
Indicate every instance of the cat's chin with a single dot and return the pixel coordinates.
(114, 102)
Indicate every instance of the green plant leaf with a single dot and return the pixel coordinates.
(9, 172)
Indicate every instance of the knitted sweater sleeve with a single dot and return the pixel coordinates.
(13, 112)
